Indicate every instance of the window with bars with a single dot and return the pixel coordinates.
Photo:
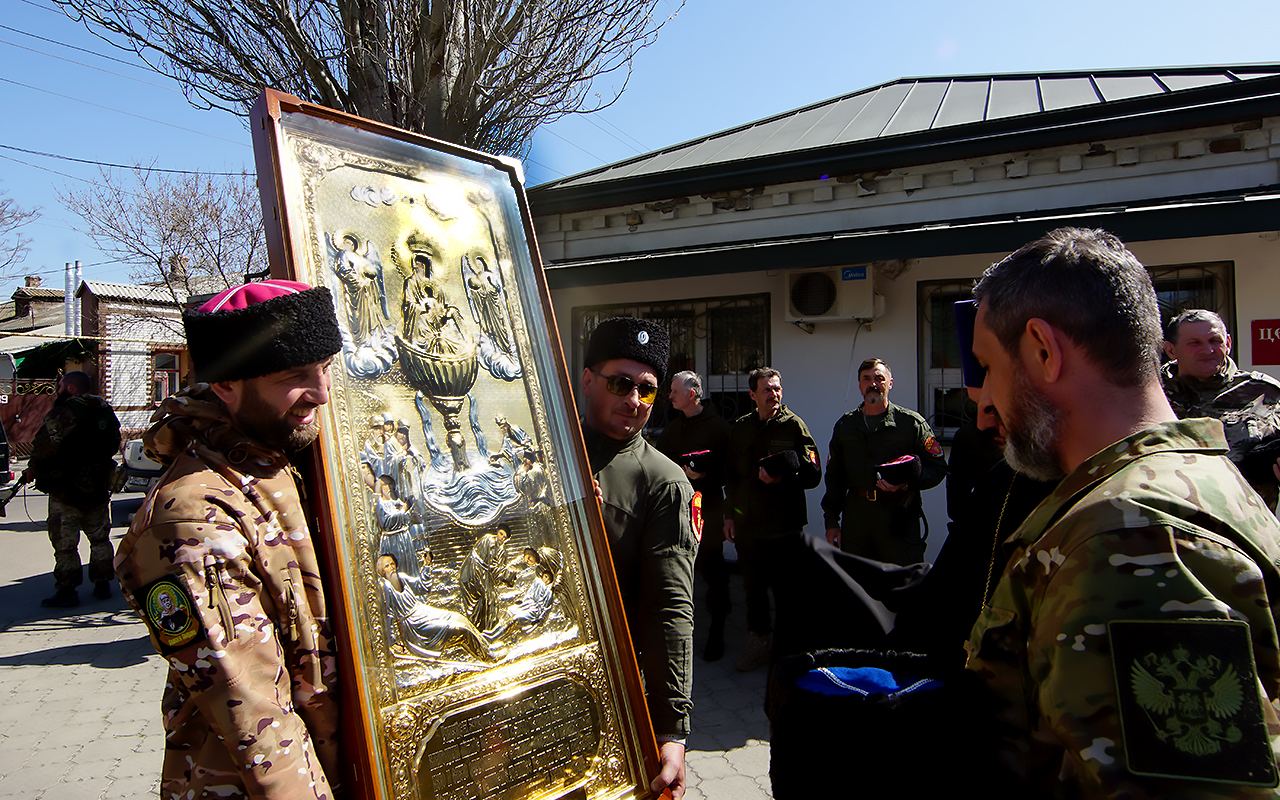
(943, 400)
(166, 375)
(722, 339)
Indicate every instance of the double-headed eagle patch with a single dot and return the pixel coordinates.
(1189, 706)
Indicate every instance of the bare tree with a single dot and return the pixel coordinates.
(190, 234)
(481, 73)
(13, 244)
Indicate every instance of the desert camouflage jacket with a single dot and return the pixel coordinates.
(1247, 404)
(1086, 646)
(220, 565)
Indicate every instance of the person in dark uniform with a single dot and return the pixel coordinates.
(697, 439)
(772, 461)
(71, 461)
(648, 507)
(986, 501)
(882, 456)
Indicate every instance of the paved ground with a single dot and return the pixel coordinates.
(80, 691)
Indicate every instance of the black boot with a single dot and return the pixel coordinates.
(714, 649)
(102, 590)
(65, 597)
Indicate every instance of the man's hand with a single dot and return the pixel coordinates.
(833, 536)
(595, 484)
(691, 474)
(885, 486)
(671, 776)
(766, 478)
(728, 529)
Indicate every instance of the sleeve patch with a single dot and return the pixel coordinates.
(695, 515)
(931, 446)
(1189, 706)
(171, 614)
(812, 453)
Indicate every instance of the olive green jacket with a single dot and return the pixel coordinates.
(856, 451)
(1157, 528)
(763, 510)
(647, 505)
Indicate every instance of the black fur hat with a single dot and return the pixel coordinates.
(633, 338)
(259, 328)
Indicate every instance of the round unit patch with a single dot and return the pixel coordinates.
(170, 614)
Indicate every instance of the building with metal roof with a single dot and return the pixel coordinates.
(814, 238)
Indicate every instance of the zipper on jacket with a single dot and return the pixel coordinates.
(218, 598)
(291, 600)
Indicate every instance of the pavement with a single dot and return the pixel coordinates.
(80, 688)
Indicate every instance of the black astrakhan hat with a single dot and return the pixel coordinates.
(633, 338)
(259, 328)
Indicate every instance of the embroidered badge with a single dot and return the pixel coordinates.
(812, 452)
(695, 514)
(932, 447)
(170, 613)
(642, 337)
(1189, 705)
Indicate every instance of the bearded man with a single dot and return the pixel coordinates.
(1130, 644)
(250, 705)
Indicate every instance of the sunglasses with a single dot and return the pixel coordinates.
(622, 386)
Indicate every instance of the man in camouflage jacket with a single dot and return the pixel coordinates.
(1130, 645)
(1201, 380)
(219, 561)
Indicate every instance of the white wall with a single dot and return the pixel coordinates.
(816, 369)
(130, 379)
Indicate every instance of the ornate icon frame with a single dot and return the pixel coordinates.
(553, 705)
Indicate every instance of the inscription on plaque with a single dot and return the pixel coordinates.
(542, 739)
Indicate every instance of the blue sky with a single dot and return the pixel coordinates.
(716, 65)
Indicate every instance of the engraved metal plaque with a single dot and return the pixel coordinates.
(484, 646)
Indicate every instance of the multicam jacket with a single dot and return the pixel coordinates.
(1086, 644)
(220, 565)
(1247, 404)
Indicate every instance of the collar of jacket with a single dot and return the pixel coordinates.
(196, 418)
(782, 415)
(1202, 436)
(601, 449)
(1215, 382)
(890, 418)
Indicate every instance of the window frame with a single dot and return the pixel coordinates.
(726, 391)
(1220, 273)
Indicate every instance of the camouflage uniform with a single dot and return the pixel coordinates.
(1156, 528)
(1247, 404)
(220, 564)
(71, 459)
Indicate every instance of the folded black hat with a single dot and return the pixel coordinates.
(782, 464)
(1256, 465)
(698, 460)
(900, 471)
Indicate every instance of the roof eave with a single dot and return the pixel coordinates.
(1234, 102)
(1212, 215)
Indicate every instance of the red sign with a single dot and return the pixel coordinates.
(1266, 341)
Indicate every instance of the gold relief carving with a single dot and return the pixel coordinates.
(445, 455)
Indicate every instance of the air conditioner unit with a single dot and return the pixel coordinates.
(833, 294)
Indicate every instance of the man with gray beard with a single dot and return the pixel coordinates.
(1130, 644)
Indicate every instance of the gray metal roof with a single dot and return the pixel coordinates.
(917, 105)
(131, 292)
